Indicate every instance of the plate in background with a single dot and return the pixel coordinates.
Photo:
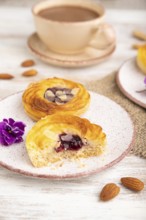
(130, 79)
(90, 56)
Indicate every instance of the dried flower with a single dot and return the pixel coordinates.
(11, 131)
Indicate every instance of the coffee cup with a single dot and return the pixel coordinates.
(68, 27)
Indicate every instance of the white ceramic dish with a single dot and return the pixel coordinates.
(114, 120)
(90, 56)
(130, 79)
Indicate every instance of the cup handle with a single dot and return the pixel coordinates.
(103, 36)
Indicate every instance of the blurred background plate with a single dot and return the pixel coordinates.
(130, 79)
(90, 56)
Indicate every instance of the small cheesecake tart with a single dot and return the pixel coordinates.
(59, 137)
(55, 95)
(141, 59)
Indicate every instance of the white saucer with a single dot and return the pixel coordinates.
(114, 120)
(90, 56)
(130, 79)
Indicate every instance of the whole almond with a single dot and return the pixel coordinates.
(132, 183)
(6, 76)
(27, 63)
(109, 191)
(28, 73)
(139, 35)
(137, 46)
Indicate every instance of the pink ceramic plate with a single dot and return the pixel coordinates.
(114, 120)
(130, 79)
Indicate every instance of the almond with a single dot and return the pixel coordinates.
(29, 73)
(50, 93)
(139, 35)
(63, 98)
(132, 183)
(109, 191)
(27, 63)
(137, 46)
(74, 91)
(6, 76)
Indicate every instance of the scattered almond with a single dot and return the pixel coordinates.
(139, 35)
(137, 46)
(28, 73)
(109, 191)
(132, 183)
(27, 63)
(6, 76)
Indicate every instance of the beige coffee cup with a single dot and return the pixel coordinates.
(73, 37)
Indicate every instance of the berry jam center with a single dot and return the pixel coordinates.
(69, 142)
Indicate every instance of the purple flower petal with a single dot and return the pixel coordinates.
(11, 121)
(9, 140)
(8, 128)
(5, 120)
(145, 80)
(18, 140)
(11, 131)
(1, 125)
(18, 132)
(20, 125)
(5, 132)
(2, 141)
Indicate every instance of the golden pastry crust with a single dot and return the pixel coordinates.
(141, 59)
(43, 139)
(37, 106)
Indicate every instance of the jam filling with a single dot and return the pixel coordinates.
(58, 95)
(69, 142)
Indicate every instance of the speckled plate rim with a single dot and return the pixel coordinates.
(128, 95)
(73, 176)
(67, 63)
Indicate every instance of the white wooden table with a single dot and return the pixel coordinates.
(38, 199)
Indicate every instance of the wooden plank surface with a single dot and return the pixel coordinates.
(114, 4)
(38, 199)
(15, 30)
